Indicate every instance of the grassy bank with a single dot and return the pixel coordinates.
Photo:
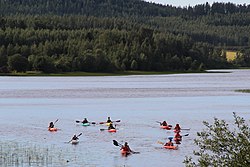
(119, 73)
(243, 90)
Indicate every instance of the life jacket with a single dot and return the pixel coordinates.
(125, 148)
(177, 135)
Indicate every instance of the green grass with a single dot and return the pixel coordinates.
(118, 73)
(243, 90)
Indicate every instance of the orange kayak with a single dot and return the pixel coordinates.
(171, 147)
(52, 129)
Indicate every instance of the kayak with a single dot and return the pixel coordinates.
(124, 152)
(52, 129)
(86, 124)
(171, 147)
(74, 141)
(112, 130)
(165, 127)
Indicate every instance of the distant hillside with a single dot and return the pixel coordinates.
(111, 35)
(113, 8)
(101, 8)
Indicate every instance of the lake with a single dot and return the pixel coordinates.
(28, 104)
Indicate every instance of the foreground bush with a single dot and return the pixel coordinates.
(221, 144)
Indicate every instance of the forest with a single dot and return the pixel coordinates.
(112, 35)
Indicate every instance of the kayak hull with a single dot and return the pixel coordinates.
(52, 129)
(171, 147)
(112, 130)
(86, 124)
(124, 152)
(74, 141)
(165, 127)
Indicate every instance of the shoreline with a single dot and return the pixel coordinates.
(82, 74)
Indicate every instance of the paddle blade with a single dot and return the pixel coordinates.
(186, 134)
(159, 142)
(79, 134)
(115, 143)
(102, 122)
(103, 129)
(78, 121)
(118, 121)
(134, 152)
(170, 126)
(93, 123)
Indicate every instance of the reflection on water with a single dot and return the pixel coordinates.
(28, 104)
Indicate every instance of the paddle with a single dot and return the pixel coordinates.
(82, 122)
(116, 143)
(76, 136)
(56, 121)
(120, 145)
(112, 121)
(185, 128)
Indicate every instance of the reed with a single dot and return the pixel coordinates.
(26, 154)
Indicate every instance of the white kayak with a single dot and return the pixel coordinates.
(74, 141)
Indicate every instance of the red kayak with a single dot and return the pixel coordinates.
(124, 152)
(165, 127)
(112, 130)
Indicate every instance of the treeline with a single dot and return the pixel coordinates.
(114, 8)
(59, 49)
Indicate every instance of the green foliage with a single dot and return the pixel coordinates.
(221, 144)
(44, 64)
(3, 60)
(111, 35)
(18, 63)
(243, 90)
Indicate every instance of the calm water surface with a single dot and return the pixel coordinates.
(28, 104)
